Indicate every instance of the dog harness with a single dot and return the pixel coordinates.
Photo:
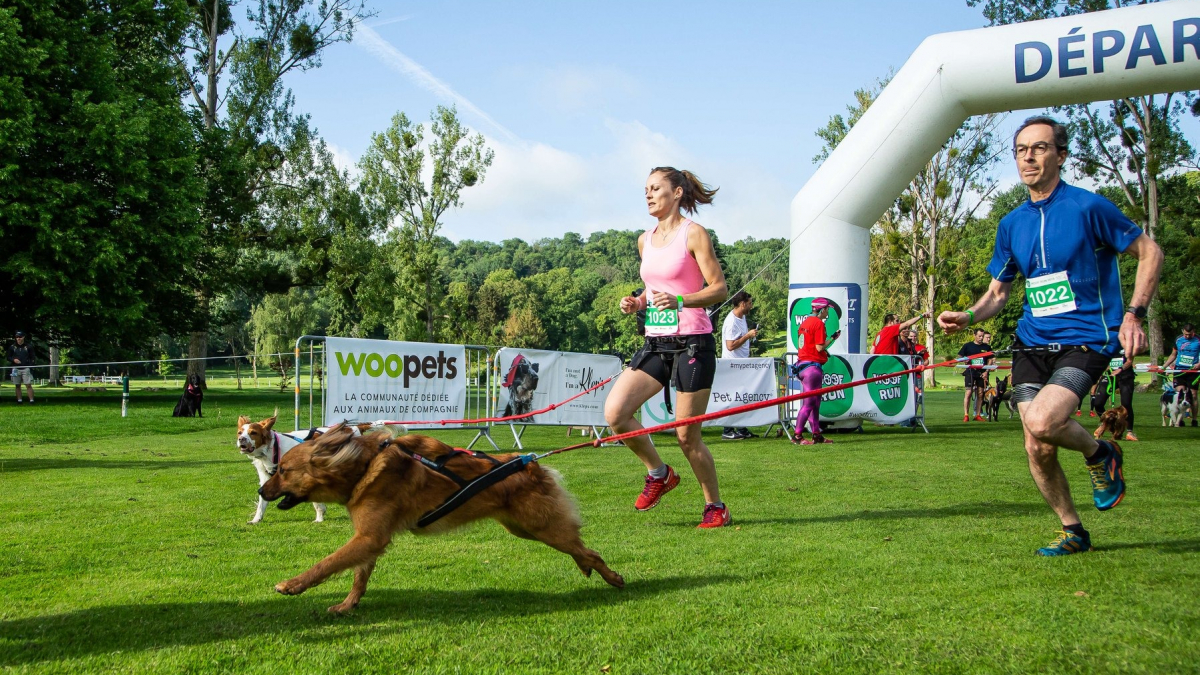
(668, 349)
(466, 488)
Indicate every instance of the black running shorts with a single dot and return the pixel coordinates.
(1076, 368)
(667, 359)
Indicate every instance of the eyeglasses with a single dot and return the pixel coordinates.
(1037, 149)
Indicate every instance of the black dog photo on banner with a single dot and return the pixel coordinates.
(520, 382)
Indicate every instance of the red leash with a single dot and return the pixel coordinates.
(510, 418)
(752, 406)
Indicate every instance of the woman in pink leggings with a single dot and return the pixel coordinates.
(813, 353)
(682, 277)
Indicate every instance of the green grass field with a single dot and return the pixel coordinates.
(124, 548)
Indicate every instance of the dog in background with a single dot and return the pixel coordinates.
(387, 489)
(994, 397)
(1175, 403)
(1114, 421)
(521, 381)
(190, 403)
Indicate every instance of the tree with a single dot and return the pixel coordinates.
(1132, 143)
(278, 321)
(246, 125)
(395, 186)
(97, 194)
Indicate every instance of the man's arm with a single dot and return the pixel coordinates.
(1149, 257)
(906, 324)
(989, 305)
(1171, 359)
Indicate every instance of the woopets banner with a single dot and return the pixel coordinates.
(372, 380)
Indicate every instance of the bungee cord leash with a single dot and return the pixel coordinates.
(750, 406)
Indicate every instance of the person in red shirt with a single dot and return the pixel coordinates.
(888, 339)
(812, 353)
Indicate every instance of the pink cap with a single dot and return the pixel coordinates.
(819, 304)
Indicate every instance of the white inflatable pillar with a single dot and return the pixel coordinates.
(1132, 51)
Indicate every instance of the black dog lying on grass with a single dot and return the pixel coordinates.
(190, 403)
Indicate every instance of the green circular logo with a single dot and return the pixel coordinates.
(892, 394)
(837, 371)
(802, 307)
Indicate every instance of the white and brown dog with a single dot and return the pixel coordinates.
(1176, 403)
(265, 446)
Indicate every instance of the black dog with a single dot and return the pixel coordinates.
(190, 403)
(1002, 395)
(521, 380)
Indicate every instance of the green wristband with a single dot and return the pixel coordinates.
(679, 299)
(970, 318)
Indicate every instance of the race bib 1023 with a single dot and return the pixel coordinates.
(1050, 294)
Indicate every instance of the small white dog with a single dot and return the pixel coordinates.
(264, 446)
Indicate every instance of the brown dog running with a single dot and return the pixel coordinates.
(1116, 421)
(386, 491)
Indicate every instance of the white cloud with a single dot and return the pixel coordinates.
(343, 159)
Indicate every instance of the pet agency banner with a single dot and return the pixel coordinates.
(737, 382)
(888, 401)
(531, 379)
(372, 380)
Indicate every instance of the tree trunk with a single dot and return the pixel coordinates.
(1154, 336)
(197, 350)
(54, 359)
(237, 369)
(915, 270)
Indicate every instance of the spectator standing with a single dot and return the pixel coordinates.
(887, 341)
(20, 356)
(973, 376)
(736, 335)
(813, 352)
(1186, 356)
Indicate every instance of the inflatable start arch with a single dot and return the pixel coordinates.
(1133, 51)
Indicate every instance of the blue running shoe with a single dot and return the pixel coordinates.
(1066, 544)
(1108, 480)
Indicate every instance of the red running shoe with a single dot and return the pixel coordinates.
(821, 440)
(966, 418)
(1079, 413)
(655, 489)
(979, 419)
(1092, 413)
(715, 516)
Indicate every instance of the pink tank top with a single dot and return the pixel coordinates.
(671, 269)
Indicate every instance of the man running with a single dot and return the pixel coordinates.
(1065, 242)
(973, 378)
(1186, 356)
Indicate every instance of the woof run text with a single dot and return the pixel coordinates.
(893, 389)
(831, 380)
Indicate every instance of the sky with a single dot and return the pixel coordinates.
(580, 100)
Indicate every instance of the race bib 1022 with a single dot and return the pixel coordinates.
(1050, 294)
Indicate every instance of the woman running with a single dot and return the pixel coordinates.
(812, 354)
(681, 276)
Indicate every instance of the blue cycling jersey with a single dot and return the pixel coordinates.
(1187, 352)
(1079, 233)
